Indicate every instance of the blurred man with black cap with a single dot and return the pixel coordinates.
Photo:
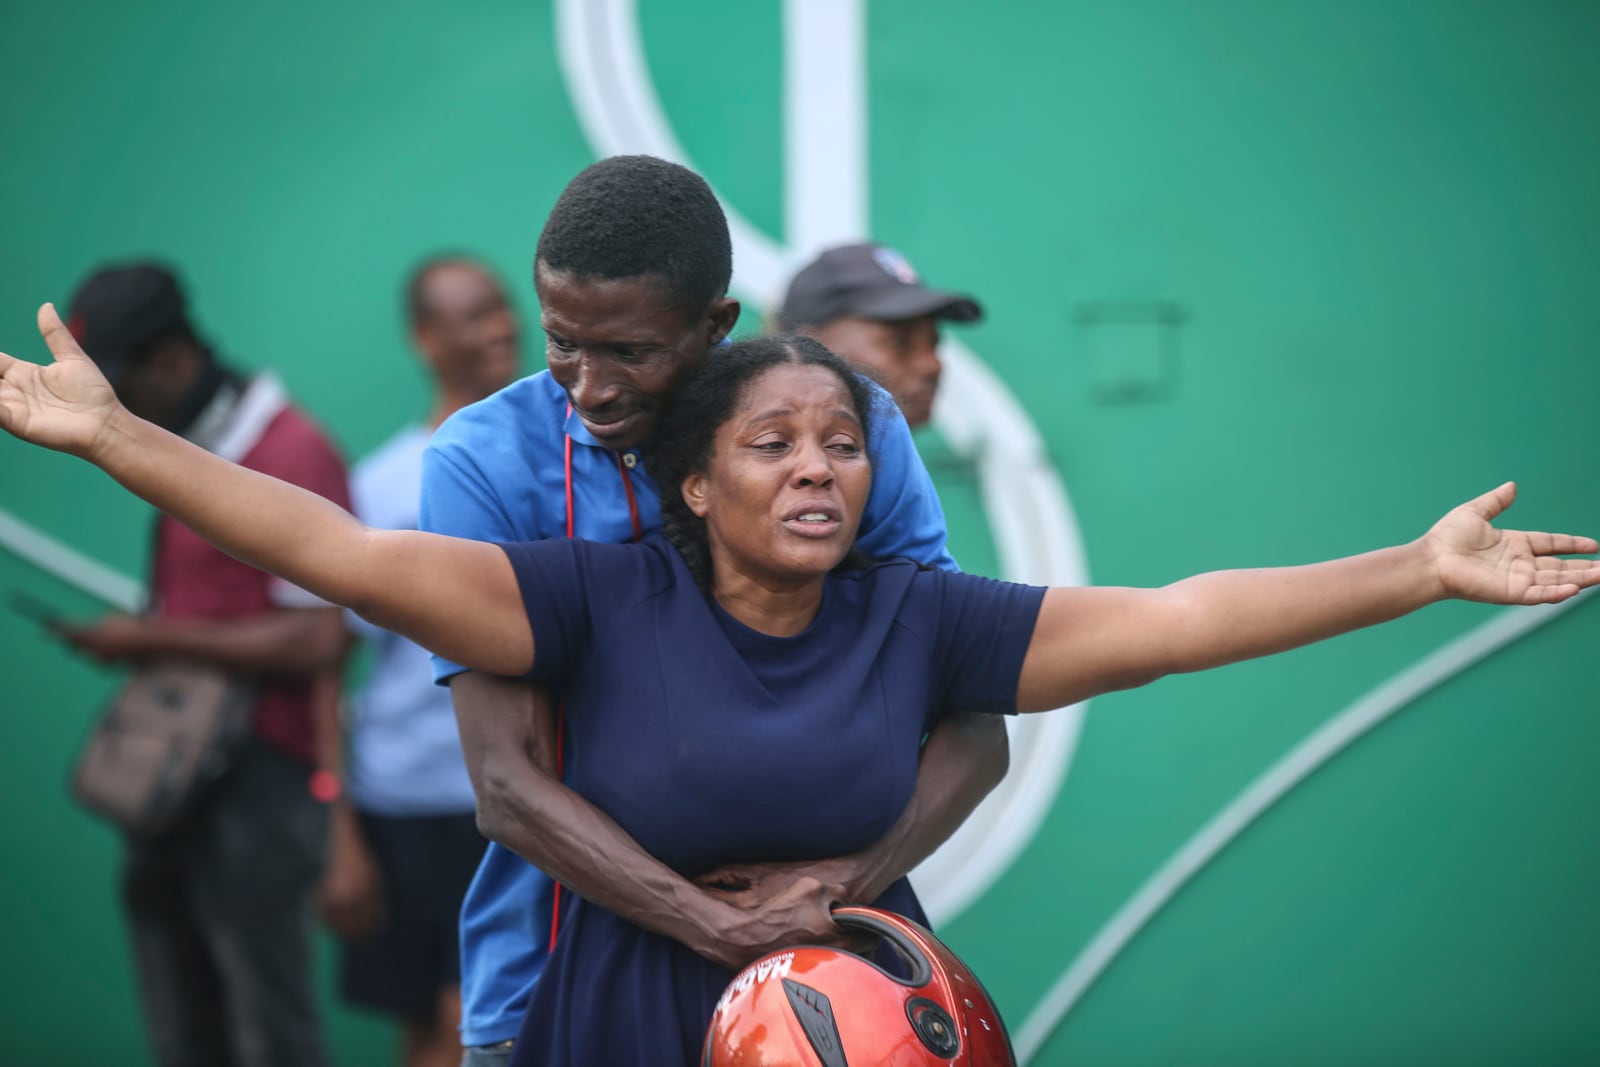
(865, 302)
(220, 910)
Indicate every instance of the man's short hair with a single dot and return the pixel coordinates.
(633, 216)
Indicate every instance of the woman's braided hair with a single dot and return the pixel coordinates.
(683, 442)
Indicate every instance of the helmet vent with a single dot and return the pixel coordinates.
(815, 1015)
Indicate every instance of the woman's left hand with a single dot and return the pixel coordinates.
(1476, 561)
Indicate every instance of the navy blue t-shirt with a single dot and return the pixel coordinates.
(710, 743)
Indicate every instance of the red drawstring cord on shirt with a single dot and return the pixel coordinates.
(627, 488)
(633, 501)
(561, 710)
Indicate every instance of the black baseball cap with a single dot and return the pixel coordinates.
(871, 281)
(118, 311)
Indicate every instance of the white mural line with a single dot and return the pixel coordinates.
(825, 196)
(1036, 540)
(824, 127)
(1311, 754)
(603, 65)
(70, 565)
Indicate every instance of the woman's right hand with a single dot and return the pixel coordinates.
(64, 405)
(801, 914)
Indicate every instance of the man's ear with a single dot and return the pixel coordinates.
(723, 315)
(694, 493)
(423, 340)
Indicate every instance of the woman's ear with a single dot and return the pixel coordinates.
(694, 493)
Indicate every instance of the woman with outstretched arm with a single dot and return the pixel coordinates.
(742, 688)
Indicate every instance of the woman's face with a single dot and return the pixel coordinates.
(788, 478)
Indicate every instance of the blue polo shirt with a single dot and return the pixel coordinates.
(497, 471)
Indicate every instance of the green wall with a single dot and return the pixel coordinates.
(1379, 222)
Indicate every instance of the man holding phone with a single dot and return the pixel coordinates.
(219, 908)
(31, 607)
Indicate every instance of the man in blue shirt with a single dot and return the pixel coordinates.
(406, 845)
(632, 271)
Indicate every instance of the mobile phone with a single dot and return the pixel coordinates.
(30, 606)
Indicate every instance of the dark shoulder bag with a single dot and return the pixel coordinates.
(165, 739)
(172, 730)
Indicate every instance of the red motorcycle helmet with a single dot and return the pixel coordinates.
(825, 1007)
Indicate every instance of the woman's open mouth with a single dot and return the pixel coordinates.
(813, 521)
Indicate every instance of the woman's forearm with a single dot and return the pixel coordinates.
(1092, 641)
(457, 598)
(269, 524)
(1227, 616)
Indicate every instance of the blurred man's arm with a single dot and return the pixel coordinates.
(275, 642)
(964, 758)
(351, 892)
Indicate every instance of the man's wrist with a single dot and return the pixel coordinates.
(143, 638)
(707, 922)
(867, 874)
